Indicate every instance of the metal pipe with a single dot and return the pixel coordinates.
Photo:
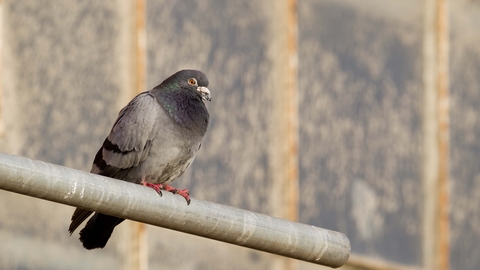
(219, 222)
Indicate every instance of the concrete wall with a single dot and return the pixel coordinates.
(66, 73)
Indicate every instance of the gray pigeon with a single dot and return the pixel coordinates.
(153, 141)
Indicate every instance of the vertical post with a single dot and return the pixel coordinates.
(2, 127)
(284, 146)
(443, 245)
(436, 229)
(141, 45)
(136, 246)
(137, 249)
(292, 110)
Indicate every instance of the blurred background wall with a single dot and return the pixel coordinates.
(68, 67)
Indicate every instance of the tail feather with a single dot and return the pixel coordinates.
(77, 218)
(98, 230)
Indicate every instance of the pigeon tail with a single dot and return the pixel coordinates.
(98, 230)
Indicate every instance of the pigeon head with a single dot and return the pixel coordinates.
(183, 96)
(192, 80)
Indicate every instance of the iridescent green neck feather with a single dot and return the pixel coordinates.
(184, 106)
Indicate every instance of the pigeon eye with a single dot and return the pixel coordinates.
(192, 81)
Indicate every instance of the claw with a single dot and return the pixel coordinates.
(185, 194)
(157, 187)
(182, 192)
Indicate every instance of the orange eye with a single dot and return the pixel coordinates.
(192, 81)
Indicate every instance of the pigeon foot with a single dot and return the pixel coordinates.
(182, 192)
(185, 194)
(159, 187)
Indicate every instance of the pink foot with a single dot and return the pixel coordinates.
(159, 187)
(185, 194)
(156, 187)
(182, 192)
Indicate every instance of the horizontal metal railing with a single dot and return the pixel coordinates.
(136, 202)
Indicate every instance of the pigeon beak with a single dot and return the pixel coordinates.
(205, 93)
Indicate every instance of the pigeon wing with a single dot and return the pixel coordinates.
(130, 139)
(127, 145)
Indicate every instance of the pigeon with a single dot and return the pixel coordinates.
(153, 141)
